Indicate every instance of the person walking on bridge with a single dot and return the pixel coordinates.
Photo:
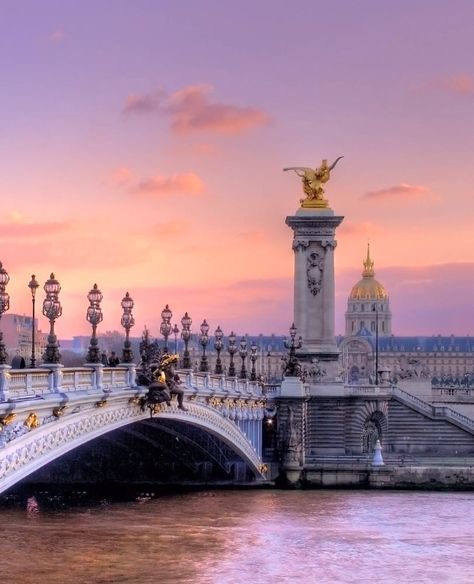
(18, 362)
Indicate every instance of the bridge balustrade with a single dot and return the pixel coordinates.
(359, 390)
(24, 383)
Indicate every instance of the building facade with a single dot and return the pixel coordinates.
(369, 339)
(17, 332)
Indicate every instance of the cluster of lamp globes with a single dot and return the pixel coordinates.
(52, 310)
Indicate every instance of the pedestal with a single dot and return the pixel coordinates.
(314, 289)
(292, 387)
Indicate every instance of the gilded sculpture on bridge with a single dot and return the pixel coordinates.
(313, 180)
(156, 370)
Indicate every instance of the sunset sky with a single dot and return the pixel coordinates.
(142, 145)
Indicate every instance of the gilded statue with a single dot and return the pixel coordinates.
(313, 180)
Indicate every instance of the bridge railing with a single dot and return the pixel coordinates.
(18, 384)
(23, 383)
(210, 383)
(367, 390)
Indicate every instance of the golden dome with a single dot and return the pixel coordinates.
(368, 288)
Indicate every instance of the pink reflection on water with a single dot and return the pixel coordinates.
(249, 537)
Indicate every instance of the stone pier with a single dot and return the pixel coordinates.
(313, 245)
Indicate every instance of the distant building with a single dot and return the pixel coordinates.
(369, 331)
(17, 335)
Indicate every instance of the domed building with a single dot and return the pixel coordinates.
(368, 304)
(369, 343)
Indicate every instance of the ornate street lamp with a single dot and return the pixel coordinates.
(165, 327)
(175, 331)
(94, 317)
(232, 349)
(127, 321)
(186, 335)
(243, 355)
(4, 306)
(52, 310)
(293, 367)
(203, 340)
(253, 358)
(33, 285)
(218, 344)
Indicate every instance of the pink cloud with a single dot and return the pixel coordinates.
(187, 183)
(23, 229)
(57, 36)
(143, 103)
(121, 175)
(402, 191)
(461, 84)
(191, 110)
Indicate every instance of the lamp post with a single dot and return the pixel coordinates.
(33, 285)
(243, 356)
(204, 339)
(94, 317)
(253, 358)
(186, 335)
(232, 349)
(375, 309)
(165, 327)
(175, 331)
(218, 344)
(52, 310)
(4, 306)
(127, 321)
(292, 368)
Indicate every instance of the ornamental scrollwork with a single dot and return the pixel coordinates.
(314, 271)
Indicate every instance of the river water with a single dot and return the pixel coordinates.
(246, 536)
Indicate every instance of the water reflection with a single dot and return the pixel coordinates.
(246, 536)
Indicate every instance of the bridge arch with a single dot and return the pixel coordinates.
(31, 451)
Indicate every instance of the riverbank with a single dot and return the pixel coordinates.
(353, 475)
(317, 477)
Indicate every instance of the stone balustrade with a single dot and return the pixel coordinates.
(19, 384)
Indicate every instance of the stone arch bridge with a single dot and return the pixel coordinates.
(47, 412)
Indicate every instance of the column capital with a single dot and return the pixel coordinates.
(300, 244)
(328, 243)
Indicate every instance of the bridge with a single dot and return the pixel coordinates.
(49, 411)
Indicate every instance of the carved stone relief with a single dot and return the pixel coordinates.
(314, 271)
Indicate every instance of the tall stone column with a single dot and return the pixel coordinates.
(313, 244)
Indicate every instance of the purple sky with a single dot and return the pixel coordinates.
(142, 146)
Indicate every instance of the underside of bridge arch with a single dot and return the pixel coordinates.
(155, 451)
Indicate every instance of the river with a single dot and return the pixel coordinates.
(246, 536)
